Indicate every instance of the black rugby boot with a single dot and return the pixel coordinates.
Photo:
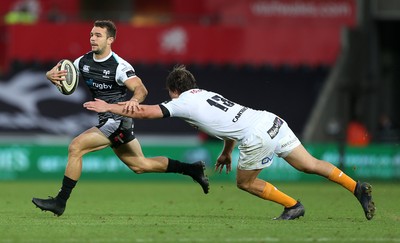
(292, 213)
(197, 173)
(363, 193)
(52, 204)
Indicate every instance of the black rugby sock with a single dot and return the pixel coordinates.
(175, 166)
(67, 185)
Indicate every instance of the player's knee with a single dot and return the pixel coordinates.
(74, 149)
(305, 169)
(137, 169)
(313, 167)
(243, 185)
(309, 169)
(136, 164)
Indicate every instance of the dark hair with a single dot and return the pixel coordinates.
(181, 80)
(109, 25)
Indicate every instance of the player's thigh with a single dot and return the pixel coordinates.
(129, 150)
(90, 140)
(301, 159)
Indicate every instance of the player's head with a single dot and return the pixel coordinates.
(102, 36)
(180, 80)
(111, 30)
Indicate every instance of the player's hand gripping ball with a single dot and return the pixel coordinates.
(70, 83)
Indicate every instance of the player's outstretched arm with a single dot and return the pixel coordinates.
(145, 111)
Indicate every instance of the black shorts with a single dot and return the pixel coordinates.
(118, 131)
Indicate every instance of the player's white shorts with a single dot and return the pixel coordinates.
(267, 139)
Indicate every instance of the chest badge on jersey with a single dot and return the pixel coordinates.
(106, 73)
(85, 68)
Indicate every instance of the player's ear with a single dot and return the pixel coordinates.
(110, 40)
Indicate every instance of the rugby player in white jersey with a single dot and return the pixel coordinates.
(260, 136)
(109, 77)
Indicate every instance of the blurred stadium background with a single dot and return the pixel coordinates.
(331, 68)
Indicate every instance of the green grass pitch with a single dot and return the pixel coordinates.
(178, 211)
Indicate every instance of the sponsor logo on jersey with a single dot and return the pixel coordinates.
(102, 85)
(267, 160)
(274, 130)
(288, 143)
(239, 114)
(130, 73)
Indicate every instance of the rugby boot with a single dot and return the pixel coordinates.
(197, 174)
(363, 193)
(52, 204)
(293, 212)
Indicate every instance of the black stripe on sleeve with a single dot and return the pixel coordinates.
(165, 111)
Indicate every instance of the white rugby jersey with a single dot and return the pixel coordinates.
(215, 115)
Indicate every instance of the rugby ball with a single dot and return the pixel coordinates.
(70, 83)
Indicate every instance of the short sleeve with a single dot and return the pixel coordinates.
(124, 72)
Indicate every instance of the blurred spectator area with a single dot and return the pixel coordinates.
(242, 12)
(48, 9)
(240, 32)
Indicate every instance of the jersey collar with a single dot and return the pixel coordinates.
(103, 59)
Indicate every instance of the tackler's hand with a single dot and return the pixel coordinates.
(131, 106)
(224, 160)
(97, 105)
